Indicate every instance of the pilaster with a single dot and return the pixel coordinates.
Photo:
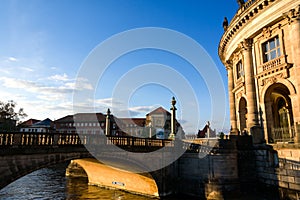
(293, 17)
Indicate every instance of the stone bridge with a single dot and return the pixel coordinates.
(176, 166)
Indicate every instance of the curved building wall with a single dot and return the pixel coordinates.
(261, 51)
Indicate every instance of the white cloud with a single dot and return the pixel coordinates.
(141, 110)
(104, 102)
(4, 71)
(12, 59)
(120, 109)
(37, 91)
(58, 77)
(27, 69)
(82, 84)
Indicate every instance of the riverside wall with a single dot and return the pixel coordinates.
(233, 168)
(278, 169)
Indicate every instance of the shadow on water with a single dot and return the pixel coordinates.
(51, 183)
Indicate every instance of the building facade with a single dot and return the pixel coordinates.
(157, 124)
(260, 48)
(83, 123)
(44, 126)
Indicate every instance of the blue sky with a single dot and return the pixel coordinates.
(44, 44)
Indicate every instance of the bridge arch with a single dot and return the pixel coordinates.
(22, 153)
(107, 176)
(17, 166)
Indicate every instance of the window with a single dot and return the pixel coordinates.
(239, 70)
(271, 49)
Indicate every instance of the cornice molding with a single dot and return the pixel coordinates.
(249, 13)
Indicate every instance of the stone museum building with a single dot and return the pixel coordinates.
(260, 48)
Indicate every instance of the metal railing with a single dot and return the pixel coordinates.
(283, 134)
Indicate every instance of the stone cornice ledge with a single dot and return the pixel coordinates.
(244, 14)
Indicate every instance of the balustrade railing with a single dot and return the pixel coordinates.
(273, 63)
(289, 164)
(53, 140)
(283, 134)
(59, 139)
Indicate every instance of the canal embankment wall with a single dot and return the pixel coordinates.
(238, 168)
(232, 168)
(278, 169)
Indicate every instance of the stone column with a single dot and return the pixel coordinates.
(252, 117)
(233, 121)
(173, 119)
(253, 126)
(107, 127)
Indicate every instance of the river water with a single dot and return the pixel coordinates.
(51, 183)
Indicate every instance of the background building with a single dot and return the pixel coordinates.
(156, 124)
(159, 122)
(261, 51)
(44, 126)
(83, 123)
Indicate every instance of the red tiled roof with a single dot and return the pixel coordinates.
(135, 121)
(89, 117)
(82, 117)
(159, 110)
(68, 118)
(29, 122)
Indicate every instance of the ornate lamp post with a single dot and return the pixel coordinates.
(107, 130)
(173, 119)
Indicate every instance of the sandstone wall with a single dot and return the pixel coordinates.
(278, 169)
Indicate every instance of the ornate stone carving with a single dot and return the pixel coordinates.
(267, 33)
(228, 65)
(272, 79)
(246, 44)
(241, 3)
(293, 14)
(235, 57)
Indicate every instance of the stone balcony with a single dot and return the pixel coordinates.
(270, 71)
(273, 63)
